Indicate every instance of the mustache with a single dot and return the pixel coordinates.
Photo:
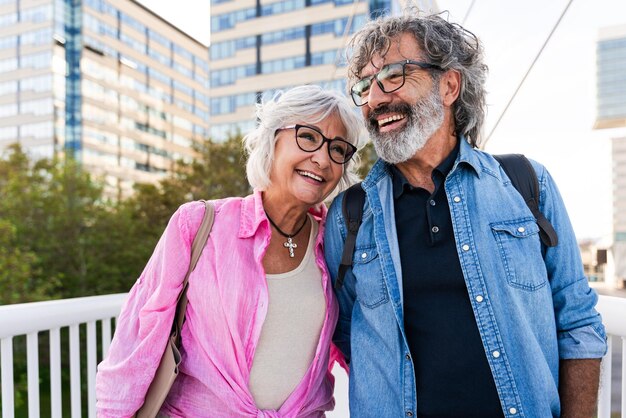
(402, 108)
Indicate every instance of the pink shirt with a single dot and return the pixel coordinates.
(228, 301)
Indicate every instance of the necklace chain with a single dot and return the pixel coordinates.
(289, 244)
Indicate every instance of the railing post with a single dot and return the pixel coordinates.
(55, 373)
(91, 368)
(32, 364)
(604, 396)
(8, 402)
(75, 371)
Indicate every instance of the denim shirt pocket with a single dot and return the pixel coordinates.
(370, 285)
(520, 249)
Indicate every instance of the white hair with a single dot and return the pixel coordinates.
(308, 103)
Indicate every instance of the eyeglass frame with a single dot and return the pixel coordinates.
(351, 148)
(404, 63)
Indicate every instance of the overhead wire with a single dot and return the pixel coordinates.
(467, 13)
(556, 25)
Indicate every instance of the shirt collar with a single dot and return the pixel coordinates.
(400, 183)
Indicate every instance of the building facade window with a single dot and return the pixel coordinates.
(36, 130)
(8, 19)
(8, 87)
(37, 83)
(36, 14)
(9, 109)
(231, 75)
(9, 41)
(8, 64)
(37, 107)
(8, 133)
(36, 37)
(282, 6)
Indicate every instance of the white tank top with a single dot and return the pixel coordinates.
(291, 331)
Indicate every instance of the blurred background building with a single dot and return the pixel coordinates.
(120, 88)
(611, 113)
(258, 47)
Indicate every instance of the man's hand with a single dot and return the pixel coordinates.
(578, 387)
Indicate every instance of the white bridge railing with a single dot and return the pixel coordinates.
(87, 317)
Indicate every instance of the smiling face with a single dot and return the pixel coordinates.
(300, 178)
(401, 122)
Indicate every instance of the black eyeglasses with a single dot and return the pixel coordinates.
(310, 139)
(390, 78)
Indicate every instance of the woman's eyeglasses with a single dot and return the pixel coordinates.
(310, 139)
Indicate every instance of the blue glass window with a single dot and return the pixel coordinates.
(8, 42)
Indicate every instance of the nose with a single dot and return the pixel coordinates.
(321, 156)
(376, 96)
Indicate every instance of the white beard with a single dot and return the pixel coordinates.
(423, 120)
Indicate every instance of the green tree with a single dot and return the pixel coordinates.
(52, 204)
(368, 158)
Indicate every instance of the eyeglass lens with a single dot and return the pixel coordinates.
(310, 140)
(390, 78)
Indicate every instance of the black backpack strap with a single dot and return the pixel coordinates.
(352, 207)
(524, 178)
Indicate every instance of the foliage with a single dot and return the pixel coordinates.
(368, 158)
(59, 236)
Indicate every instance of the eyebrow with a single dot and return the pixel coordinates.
(318, 129)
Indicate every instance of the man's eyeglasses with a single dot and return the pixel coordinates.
(310, 139)
(390, 78)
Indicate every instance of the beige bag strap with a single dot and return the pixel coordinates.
(196, 249)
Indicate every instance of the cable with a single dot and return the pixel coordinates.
(528, 71)
(469, 9)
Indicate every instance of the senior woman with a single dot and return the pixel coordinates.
(256, 341)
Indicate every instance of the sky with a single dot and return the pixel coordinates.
(551, 119)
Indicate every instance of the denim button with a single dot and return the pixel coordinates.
(409, 413)
(407, 357)
(465, 247)
(496, 354)
(364, 256)
(479, 298)
(456, 199)
(521, 229)
(513, 411)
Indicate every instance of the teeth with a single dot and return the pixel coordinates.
(389, 119)
(310, 175)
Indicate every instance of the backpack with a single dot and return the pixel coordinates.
(517, 168)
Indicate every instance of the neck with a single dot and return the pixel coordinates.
(419, 168)
(287, 217)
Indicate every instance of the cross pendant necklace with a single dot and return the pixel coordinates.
(289, 244)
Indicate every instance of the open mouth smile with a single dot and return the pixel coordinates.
(310, 175)
(388, 120)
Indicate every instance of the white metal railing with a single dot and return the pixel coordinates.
(613, 310)
(31, 318)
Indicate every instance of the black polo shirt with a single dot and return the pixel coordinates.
(452, 373)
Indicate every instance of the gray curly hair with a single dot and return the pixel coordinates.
(445, 44)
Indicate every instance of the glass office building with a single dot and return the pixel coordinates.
(260, 46)
(109, 81)
(611, 113)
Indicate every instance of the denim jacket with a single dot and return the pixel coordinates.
(533, 305)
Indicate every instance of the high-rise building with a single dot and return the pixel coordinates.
(611, 113)
(260, 46)
(111, 82)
